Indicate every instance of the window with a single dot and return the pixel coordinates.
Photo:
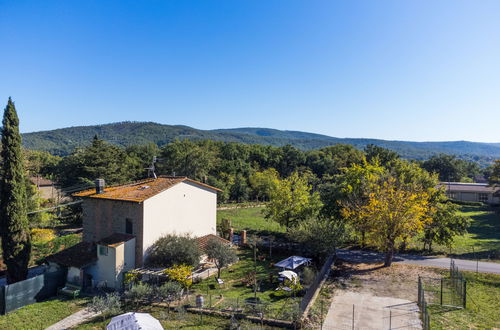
(483, 198)
(103, 250)
(129, 226)
(452, 195)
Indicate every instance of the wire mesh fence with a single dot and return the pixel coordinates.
(286, 309)
(422, 304)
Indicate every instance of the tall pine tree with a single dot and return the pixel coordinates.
(16, 243)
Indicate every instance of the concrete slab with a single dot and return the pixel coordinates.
(355, 310)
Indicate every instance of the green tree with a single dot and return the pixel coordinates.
(380, 155)
(329, 161)
(494, 178)
(170, 250)
(99, 160)
(351, 192)
(319, 236)
(16, 242)
(292, 201)
(263, 182)
(192, 159)
(450, 168)
(446, 223)
(222, 254)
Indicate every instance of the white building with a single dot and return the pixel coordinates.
(121, 222)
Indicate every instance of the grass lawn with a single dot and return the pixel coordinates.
(42, 314)
(278, 304)
(482, 240)
(250, 219)
(483, 305)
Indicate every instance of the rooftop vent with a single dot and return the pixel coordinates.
(99, 186)
(143, 187)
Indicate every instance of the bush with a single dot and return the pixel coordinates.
(170, 250)
(41, 236)
(308, 276)
(169, 292)
(140, 293)
(107, 305)
(180, 274)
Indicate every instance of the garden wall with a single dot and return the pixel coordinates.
(313, 290)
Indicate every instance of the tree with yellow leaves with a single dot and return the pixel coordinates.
(393, 212)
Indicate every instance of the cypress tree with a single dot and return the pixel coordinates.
(16, 243)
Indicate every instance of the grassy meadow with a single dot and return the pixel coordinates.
(482, 241)
(483, 304)
(250, 219)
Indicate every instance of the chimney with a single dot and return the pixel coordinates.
(99, 186)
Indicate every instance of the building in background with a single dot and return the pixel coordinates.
(472, 192)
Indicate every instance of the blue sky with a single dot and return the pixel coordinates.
(408, 70)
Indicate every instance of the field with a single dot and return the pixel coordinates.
(483, 304)
(41, 315)
(250, 219)
(482, 240)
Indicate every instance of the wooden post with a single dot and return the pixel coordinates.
(464, 297)
(244, 237)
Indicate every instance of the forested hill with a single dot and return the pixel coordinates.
(63, 141)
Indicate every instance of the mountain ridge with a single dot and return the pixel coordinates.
(63, 141)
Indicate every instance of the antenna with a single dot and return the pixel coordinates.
(151, 168)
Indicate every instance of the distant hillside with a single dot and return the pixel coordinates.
(63, 141)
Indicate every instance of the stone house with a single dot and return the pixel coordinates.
(120, 223)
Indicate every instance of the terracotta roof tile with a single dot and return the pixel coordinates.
(79, 255)
(141, 190)
(203, 240)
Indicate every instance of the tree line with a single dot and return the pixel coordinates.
(240, 170)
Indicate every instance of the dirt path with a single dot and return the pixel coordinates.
(73, 320)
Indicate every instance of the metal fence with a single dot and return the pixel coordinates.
(422, 304)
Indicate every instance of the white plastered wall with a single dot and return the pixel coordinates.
(184, 208)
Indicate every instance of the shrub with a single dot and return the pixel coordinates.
(308, 276)
(180, 274)
(169, 292)
(107, 305)
(140, 293)
(170, 250)
(40, 236)
(131, 278)
(224, 228)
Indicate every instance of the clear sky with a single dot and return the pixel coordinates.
(408, 70)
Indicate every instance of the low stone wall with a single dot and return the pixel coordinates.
(313, 291)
